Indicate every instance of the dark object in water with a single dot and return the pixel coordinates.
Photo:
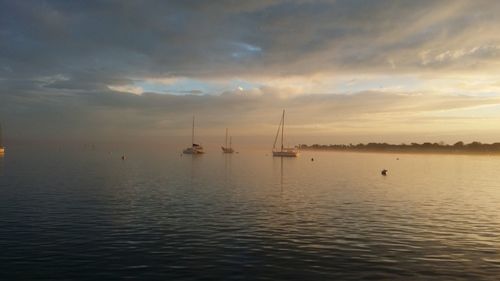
(312, 159)
(384, 172)
(123, 157)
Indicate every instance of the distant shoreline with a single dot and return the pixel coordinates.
(413, 148)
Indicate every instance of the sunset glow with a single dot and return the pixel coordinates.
(349, 68)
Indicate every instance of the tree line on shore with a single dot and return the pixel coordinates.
(413, 147)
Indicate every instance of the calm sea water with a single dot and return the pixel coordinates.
(82, 214)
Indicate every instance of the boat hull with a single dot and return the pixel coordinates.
(227, 149)
(285, 153)
(192, 150)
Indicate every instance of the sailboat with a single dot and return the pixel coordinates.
(283, 151)
(2, 148)
(195, 148)
(227, 149)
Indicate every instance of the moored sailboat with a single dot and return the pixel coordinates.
(227, 149)
(283, 151)
(195, 148)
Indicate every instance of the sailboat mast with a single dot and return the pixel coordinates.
(282, 129)
(277, 133)
(226, 137)
(192, 133)
(230, 142)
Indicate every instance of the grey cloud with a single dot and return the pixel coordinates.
(226, 38)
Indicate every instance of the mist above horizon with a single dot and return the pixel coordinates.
(345, 71)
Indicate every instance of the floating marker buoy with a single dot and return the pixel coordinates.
(312, 159)
(384, 172)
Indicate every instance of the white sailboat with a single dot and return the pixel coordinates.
(195, 148)
(227, 149)
(283, 151)
(2, 148)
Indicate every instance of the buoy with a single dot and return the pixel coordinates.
(384, 172)
(312, 159)
(123, 157)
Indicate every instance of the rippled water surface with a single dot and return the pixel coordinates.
(83, 214)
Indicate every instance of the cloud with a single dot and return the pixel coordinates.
(464, 55)
(114, 115)
(104, 68)
(225, 38)
(127, 89)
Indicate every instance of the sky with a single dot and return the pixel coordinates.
(345, 71)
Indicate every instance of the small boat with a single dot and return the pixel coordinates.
(283, 151)
(195, 148)
(2, 148)
(227, 149)
(384, 172)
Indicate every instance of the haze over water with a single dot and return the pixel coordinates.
(83, 214)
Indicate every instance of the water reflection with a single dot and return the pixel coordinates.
(227, 166)
(156, 216)
(281, 173)
(1, 163)
(195, 164)
(281, 162)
